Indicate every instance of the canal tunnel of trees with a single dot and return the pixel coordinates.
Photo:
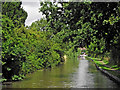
(66, 27)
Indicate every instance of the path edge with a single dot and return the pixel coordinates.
(112, 77)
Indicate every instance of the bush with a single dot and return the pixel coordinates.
(26, 50)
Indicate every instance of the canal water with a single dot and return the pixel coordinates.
(80, 73)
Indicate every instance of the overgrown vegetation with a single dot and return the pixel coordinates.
(93, 25)
(26, 50)
(66, 26)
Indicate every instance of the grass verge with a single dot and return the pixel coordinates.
(104, 64)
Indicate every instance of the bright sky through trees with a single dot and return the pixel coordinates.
(32, 8)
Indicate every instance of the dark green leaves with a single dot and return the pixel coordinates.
(14, 11)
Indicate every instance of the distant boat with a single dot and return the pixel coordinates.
(83, 55)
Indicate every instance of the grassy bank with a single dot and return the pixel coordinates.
(105, 65)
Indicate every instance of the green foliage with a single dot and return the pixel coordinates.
(25, 50)
(15, 77)
(97, 47)
(14, 11)
(11, 51)
(84, 24)
(72, 54)
(39, 25)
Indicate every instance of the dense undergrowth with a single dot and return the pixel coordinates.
(26, 50)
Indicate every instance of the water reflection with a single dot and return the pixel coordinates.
(82, 78)
(79, 73)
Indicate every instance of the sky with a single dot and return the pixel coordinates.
(32, 8)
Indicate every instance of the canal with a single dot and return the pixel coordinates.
(80, 73)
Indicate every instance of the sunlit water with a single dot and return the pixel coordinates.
(79, 73)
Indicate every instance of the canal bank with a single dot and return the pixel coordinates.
(80, 73)
(108, 73)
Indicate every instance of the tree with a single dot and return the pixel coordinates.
(39, 25)
(84, 20)
(14, 11)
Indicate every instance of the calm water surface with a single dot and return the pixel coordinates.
(79, 73)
